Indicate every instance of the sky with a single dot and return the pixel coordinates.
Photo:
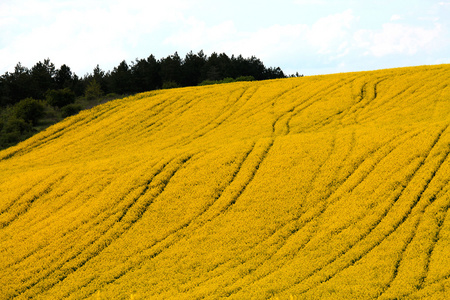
(306, 36)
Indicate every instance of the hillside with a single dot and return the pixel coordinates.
(330, 186)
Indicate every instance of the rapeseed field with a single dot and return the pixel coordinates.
(321, 187)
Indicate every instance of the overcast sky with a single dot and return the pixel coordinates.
(305, 36)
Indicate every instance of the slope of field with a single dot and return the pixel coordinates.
(330, 186)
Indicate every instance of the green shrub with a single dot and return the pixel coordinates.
(227, 80)
(29, 109)
(60, 98)
(9, 138)
(112, 96)
(169, 85)
(70, 110)
(208, 82)
(18, 125)
(14, 130)
(93, 90)
(245, 78)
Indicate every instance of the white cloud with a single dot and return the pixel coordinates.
(327, 36)
(80, 33)
(396, 18)
(196, 34)
(269, 42)
(25, 8)
(329, 33)
(398, 39)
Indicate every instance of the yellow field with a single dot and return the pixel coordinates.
(330, 186)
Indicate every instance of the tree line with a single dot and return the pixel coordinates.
(138, 76)
(28, 94)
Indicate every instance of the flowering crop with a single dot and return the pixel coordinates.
(330, 186)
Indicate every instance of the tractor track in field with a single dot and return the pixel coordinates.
(27, 205)
(385, 236)
(171, 239)
(321, 210)
(95, 247)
